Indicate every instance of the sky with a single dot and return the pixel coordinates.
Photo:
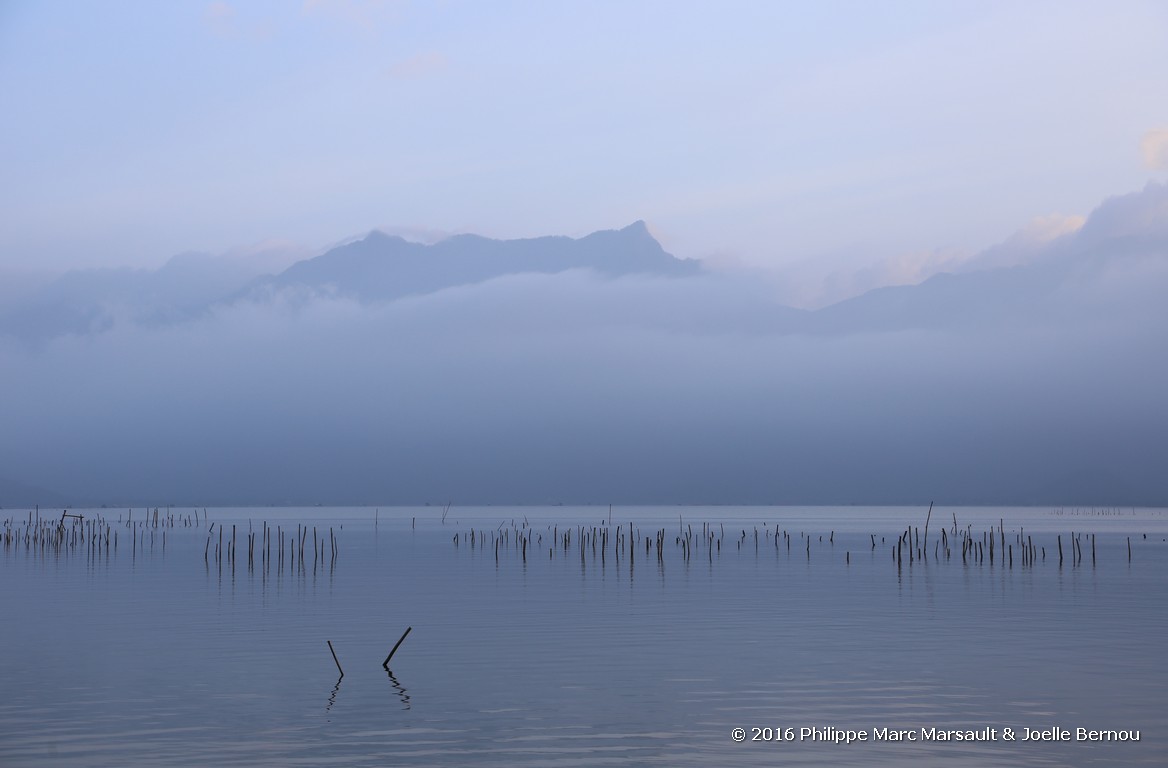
(754, 135)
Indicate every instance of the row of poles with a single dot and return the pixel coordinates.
(293, 545)
(95, 536)
(98, 536)
(626, 540)
(977, 549)
(623, 540)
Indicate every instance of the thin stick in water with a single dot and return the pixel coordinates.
(927, 519)
(385, 664)
(334, 653)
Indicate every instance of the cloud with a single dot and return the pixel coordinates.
(220, 18)
(907, 268)
(1139, 215)
(225, 21)
(814, 284)
(571, 387)
(366, 14)
(1154, 146)
(1026, 245)
(817, 283)
(421, 65)
(1043, 229)
(415, 234)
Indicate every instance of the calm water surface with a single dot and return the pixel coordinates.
(152, 656)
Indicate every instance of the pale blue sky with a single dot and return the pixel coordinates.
(768, 132)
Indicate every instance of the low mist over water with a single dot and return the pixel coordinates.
(574, 380)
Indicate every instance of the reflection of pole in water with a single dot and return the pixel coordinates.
(333, 696)
(401, 691)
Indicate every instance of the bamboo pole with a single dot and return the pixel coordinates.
(335, 661)
(385, 664)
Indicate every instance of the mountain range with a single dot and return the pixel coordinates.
(594, 369)
(377, 267)
(384, 268)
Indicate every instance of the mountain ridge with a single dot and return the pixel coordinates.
(377, 267)
(382, 267)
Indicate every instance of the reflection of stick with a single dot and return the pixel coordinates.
(334, 653)
(401, 691)
(385, 664)
(333, 695)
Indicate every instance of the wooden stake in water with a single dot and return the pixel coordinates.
(385, 664)
(334, 653)
(927, 519)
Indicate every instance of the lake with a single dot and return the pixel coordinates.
(550, 636)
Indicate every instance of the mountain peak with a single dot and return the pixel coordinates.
(377, 236)
(384, 267)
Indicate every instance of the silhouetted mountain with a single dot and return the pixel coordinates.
(383, 267)
(991, 297)
(1123, 235)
